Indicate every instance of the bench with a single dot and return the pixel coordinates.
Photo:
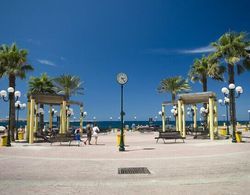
(40, 135)
(63, 138)
(143, 129)
(169, 135)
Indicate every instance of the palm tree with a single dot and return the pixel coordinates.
(68, 85)
(41, 85)
(204, 68)
(173, 85)
(13, 64)
(232, 48)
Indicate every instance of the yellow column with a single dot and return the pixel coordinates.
(195, 116)
(179, 116)
(28, 121)
(63, 124)
(211, 118)
(176, 123)
(183, 120)
(31, 133)
(215, 117)
(67, 122)
(36, 118)
(163, 118)
(81, 119)
(50, 116)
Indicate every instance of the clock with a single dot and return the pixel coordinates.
(122, 78)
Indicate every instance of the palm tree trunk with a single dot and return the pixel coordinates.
(173, 98)
(232, 101)
(12, 117)
(204, 88)
(204, 84)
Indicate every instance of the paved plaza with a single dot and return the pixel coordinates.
(193, 167)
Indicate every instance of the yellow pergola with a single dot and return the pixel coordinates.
(193, 99)
(32, 108)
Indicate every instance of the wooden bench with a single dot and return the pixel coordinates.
(169, 135)
(63, 138)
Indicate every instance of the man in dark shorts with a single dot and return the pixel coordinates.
(89, 134)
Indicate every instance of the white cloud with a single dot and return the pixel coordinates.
(207, 49)
(199, 50)
(46, 62)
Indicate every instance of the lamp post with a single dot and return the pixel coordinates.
(110, 126)
(190, 113)
(39, 113)
(232, 92)
(225, 103)
(83, 115)
(224, 117)
(248, 116)
(6, 96)
(174, 111)
(53, 112)
(122, 79)
(19, 107)
(204, 113)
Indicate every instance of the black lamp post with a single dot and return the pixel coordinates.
(248, 116)
(230, 93)
(39, 113)
(122, 79)
(190, 113)
(204, 114)
(225, 103)
(19, 107)
(174, 111)
(6, 96)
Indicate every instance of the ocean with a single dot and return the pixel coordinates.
(116, 124)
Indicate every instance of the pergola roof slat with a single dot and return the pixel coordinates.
(196, 98)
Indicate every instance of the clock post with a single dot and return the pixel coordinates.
(122, 79)
(122, 146)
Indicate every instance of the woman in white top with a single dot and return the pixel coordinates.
(96, 130)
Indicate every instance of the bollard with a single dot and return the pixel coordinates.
(4, 140)
(118, 138)
(20, 135)
(238, 136)
(223, 132)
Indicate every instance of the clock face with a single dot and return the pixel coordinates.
(122, 78)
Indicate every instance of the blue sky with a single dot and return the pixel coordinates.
(149, 40)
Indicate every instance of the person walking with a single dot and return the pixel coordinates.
(78, 136)
(89, 134)
(96, 130)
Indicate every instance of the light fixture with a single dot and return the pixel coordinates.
(231, 86)
(10, 90)
(239, 89)
(225, 90)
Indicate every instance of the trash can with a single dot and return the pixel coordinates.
(118, 138)
(4, 140)
(20, 135)
(238, 136)
(223, 132)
